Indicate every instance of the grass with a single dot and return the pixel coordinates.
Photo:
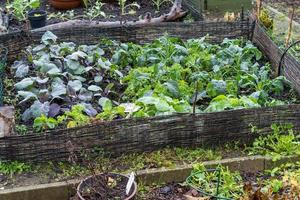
(167, 158)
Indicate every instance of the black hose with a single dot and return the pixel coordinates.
(283, 55)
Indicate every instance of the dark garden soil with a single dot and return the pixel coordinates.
(111, 10)
(105, 186)
(169, 192)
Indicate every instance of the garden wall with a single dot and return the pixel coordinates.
(139, 135)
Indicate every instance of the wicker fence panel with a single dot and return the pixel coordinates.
(140, 135)
(217, 31)
(290, 68)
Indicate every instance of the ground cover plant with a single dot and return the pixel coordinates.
(283, 141)
(68, 85)
(279, 183)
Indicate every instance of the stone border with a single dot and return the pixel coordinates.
(64, 190)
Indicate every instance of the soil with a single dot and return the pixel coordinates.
(105, 186)
(172, 191)
(110, 8)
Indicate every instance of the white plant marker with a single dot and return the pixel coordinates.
(130, 183)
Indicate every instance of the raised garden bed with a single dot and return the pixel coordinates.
(140, 89)
(138, 135)
(106, 13)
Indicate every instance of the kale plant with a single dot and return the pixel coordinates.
(112, 80)
(55, 76)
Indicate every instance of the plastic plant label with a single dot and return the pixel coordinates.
(130, 183)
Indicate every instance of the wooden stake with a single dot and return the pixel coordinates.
(291, 16)
(258, 4)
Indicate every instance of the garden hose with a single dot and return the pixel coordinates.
(3, 58)
(214, 196)
(283, 55)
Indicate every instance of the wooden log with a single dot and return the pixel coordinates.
(175, 13)
(7, 121)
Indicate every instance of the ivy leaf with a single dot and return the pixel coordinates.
(49, 38)
(25, 83)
